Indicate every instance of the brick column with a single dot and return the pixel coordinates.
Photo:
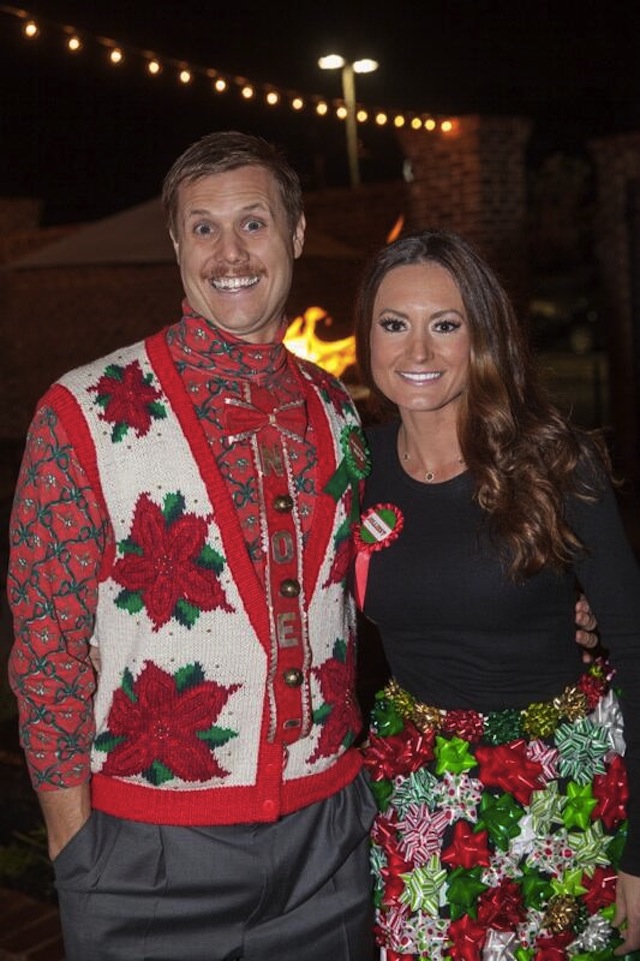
(472, 180)
(617, 163)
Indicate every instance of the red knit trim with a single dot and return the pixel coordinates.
(322, 529)
(76, 427)
(268, 800)
(226, 516)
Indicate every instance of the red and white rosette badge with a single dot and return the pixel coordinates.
(378, 528)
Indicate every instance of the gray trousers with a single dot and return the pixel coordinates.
(298, 888)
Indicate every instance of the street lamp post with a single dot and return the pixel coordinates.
(351, 124)
(334, 61)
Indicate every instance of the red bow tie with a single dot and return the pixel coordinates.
(242, 419)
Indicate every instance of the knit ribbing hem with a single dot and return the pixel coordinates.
(224, 805)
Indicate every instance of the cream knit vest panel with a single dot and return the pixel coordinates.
(184, 700)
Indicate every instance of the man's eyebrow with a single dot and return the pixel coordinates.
(249, 208)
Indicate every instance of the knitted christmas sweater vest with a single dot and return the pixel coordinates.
(199, 674)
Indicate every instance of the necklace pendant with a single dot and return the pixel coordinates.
(429, 477)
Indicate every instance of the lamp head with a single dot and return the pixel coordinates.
(365, 66)
(332, 61)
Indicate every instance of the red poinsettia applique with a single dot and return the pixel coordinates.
(167, 567)
(336, 714)
(342, 553)
(128, 399)
(161, 726)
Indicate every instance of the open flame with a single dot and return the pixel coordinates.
(333, 355)
(396, 230)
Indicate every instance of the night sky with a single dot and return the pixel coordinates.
(91, 139)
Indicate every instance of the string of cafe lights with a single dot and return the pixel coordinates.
(222, 83)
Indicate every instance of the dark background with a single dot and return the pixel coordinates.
(90, 139)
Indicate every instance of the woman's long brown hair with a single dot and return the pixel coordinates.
(525, 456)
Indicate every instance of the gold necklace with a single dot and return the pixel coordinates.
(430, 474)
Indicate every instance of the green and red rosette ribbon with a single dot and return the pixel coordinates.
(379, 527)
(353, 468)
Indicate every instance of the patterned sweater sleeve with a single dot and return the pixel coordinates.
(59, 535)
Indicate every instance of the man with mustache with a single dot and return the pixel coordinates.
(183, 519)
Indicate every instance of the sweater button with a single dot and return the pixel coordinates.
(290, 587)
(283, 503)
(293, 677)
(269, 808)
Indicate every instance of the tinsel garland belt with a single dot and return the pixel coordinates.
(395, 706)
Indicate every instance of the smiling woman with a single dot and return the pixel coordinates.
(484, 509)
(420, 339)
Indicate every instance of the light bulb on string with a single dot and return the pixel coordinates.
(270, 95)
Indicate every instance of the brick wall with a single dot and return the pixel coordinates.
(362, 217)
(473, 181)
(617, 163)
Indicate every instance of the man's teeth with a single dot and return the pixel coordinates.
(234, 283)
